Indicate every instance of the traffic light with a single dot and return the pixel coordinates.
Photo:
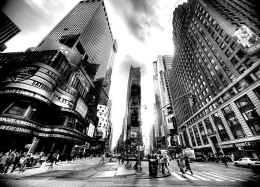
(193, 100)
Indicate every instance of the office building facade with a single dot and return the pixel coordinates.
(166, 119)
(217, 60)
(7, 30)
(40, 111)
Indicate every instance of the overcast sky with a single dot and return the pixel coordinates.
(143, 31)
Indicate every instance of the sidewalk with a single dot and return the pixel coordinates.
(122, 171)
(38, 169)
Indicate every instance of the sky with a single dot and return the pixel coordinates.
(142, 28)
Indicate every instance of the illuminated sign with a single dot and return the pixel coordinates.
(28, 131)
(169, 121)
(248, 39)
(17, 121)
(26, 93)
(81, 107)
(91, 129)
(43, 80)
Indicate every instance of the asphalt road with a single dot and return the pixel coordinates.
(90, 173)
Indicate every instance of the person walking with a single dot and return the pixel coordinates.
(51, 158)
(187, 165)
(166, 163)
(182, 166)
(23, 161)
(3, 162)
(225, 160)
(162, 164)
(102, 158)
(16, 161)
(119, 158)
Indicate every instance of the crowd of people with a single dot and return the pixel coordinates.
(12, 160)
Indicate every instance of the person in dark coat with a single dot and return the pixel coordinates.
(16, 163)
(187, 165)
(4, 162)
(51, 159)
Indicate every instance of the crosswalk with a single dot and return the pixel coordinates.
(215, 176)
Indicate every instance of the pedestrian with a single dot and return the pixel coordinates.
(102, 158)
(9, 161)
(166, 163)
(182, 166)
(3, 162)
(162, 164)
(123, 158)
(16, 161)
(225, 160)
(51, 159)
(23, 161)
(119, 158)
(187, 165)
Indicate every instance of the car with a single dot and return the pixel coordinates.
(246, 161)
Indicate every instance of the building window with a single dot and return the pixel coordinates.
(203, 134)
(196, 132)
(249, 113)
(208, 126)
(18, 108)
(220, 127)
(233, 123)
(192, 137)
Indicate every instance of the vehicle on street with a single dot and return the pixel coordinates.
(250, 162)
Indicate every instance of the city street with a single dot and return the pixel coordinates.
(91, 173)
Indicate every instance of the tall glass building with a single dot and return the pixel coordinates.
(217, 59)
(86, 29)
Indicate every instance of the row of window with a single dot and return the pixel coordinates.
(246, 109)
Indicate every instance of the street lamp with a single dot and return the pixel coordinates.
(139, 169)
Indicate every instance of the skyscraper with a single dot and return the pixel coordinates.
(133, 106)
(166, 117)
(86, 29)
(217, 60)
(7, 30)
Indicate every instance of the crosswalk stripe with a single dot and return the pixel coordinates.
(234, 178)
(224, 178)
(209, 177)
(178, 176)
(189, 177)
(199, 177)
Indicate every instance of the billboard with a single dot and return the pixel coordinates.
(248, 39)
(91, 130)
(81, 107)
(169, 121)
(42, 80)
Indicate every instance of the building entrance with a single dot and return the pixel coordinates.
(215, 144)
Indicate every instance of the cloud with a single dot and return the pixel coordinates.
(139, 15)
(130, 61)
(33, 15)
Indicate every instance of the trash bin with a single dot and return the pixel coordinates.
(152, 167)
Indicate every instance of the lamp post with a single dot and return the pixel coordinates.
(139, 138)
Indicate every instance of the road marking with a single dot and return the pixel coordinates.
(229, 177)
(209, 177)
(178, 176)
(189, 177)
(199, 177)
(218, 176)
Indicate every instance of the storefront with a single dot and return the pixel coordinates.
(243, 149)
